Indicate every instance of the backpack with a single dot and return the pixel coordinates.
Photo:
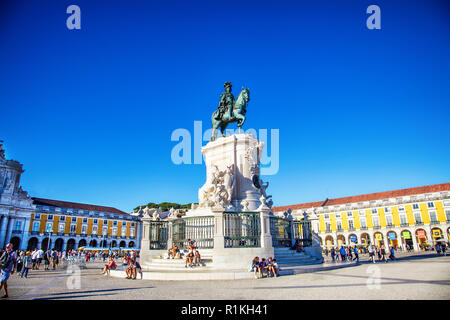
(5, 260)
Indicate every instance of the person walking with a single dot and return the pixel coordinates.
(371, 254)
(349, 253)
(355, 250)
(47, 257)
(20, 258)
(54, 258)
(27, 264)
(343, 253)
(333, 254)
(392, 255)
(8, 262)
(437, 247)
(383, 254)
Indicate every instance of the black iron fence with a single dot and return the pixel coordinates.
(242, 229)
(302, 232)
(159, 232)
(200, 229)
(281, 231)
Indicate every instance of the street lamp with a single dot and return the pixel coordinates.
(50, 240)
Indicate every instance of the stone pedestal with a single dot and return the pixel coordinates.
(239, 155)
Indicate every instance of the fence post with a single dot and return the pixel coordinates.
(170, 232)
(145, 241)
(266, 237)
(219, 239)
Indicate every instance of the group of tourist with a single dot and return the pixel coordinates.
(345, 253)
(191, 254)
(129, 262)
(264, 267)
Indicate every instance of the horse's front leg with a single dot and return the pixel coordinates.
(214, 134)
(241, 120)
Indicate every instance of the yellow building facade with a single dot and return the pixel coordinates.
(414, 218)
(67, 226)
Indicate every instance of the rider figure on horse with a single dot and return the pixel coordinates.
(226, 102)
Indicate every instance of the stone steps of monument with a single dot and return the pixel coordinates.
(161, 261)
(289, 254)
(191, 275)
(297, 263)
(163, 265)
(294, 260)
(287, 258)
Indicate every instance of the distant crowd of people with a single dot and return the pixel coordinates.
(23, 262)
(376, 253)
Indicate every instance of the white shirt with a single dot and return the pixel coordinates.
(40, 253)
(34, 255)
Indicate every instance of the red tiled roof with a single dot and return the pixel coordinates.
(368, 197)
(74, 205)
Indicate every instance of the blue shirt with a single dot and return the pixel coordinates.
(12, 260)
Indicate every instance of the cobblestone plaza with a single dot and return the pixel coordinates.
(413, 276)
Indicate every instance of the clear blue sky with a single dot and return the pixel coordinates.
(90, 112)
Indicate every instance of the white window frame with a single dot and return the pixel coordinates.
(417, 214)
(351, 225)
(47, 228)
(36, 226)
(363, 222)
(403, 219)
(94, 229)
(84, 229)
(377, 219)
(73, 228)
(433, 214)
(61, 230)
(389, 220)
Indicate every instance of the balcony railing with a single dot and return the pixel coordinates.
(34, 233)
(339, 229)
(17, 231)
(351, 229)
(434, 222)
(404, 224)
(363, 228)
(390, 225)
(60, 234)
(377, 227)
(419, 223)
(73, 234)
